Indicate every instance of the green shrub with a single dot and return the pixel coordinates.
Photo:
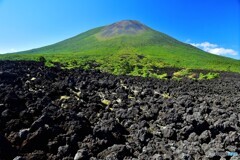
(123, 68)
(182, 73)
(145, 72)
(42, 59)
(161, 76)
(192, 76)
(201, 76)
(136, 71)
(126, 67)
(213, 75)
(106, 102)
(166, 95)
(208, 76)
(87, 67)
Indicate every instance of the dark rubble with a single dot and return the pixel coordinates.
(50, 113)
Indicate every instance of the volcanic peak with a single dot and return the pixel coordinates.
(125, 27)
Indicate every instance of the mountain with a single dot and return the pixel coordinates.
(126, 46)
(129, 27)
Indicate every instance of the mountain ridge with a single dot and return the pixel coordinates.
(124, 27)
(107, 45)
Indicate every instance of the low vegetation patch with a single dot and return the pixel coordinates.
(126, 62)
(106, 102)
(182, 74)
(208, 76)
(159, 76)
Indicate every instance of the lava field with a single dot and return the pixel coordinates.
(51, 113)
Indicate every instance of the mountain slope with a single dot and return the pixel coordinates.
(127, 43)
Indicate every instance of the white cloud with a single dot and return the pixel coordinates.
(222, 51)
(215, 49)
(204, 45)
(1, 52)
(12, 50)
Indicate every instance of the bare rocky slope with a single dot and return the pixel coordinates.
(50, 113)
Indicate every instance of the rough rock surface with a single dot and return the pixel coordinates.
(50, 113)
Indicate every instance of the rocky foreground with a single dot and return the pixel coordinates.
(49, 113)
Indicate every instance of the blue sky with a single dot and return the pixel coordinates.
(213, 25)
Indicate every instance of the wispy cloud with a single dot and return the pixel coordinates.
(215, 49)
(223, 51)
(12, 50)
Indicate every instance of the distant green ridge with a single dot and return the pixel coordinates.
(128, 44)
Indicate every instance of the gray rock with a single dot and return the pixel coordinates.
(235, 158)
(168, 132)
(81, 154)
(212, 154)
(156, 157)
(205, 137)
(193, 137)
(185, 156)
(115, 151)
(231, 148)
(19, 158)
(63, 150)
(144, 135)
(23, 133)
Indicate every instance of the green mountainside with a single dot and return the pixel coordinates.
(126, 47)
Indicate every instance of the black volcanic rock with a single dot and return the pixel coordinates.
(67, 114)
(7, 152)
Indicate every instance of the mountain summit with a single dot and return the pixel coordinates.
(125, 27)
(126, 43)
